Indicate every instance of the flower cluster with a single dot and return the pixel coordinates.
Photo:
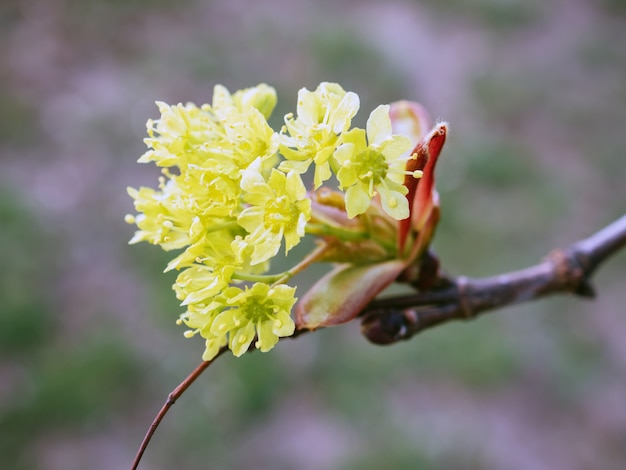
(231, 194)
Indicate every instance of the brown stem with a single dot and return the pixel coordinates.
(563, 271)
(171, 399)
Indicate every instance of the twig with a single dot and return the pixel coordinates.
(394, 319)
(171, 399)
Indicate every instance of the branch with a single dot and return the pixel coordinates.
(171, 399)
(394, 319)
(567, 271)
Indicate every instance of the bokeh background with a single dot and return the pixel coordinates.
(535, 93)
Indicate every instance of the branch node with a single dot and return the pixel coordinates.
(571, 270)
(463, 285)
(583, 288)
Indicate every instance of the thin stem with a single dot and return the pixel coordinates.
(302, 265)
(171, 399)
(388, 242)
(602, 244)
(348, 235)
(281, 278)
(338, 232)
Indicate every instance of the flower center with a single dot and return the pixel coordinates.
(256, 311)
(280, 213)
(371, 165)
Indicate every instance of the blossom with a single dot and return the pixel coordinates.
(164, 218)
(232, 194)
(210, 191)
(260, 310)
(322, 115)
(235, 128)
(278, 207)
(261, 97)
(236, 316)
(210, 264)
(374, 160)
(199, 282)
(248, 136)
(174, 138)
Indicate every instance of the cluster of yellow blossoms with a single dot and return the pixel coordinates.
(232, 191)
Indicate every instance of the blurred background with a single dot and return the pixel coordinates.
(535, 93)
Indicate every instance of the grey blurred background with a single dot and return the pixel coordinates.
(535, 93)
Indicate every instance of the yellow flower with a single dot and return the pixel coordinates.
(261, 97)
(322, 115)
(199, 282)
(228, 203)
(234, 128)
(260, 310)
(211, 264)
(209, 192)
(164, 218)
(175, 138)
(238, 315)
(376, 163)
(278, 208)
(209, 146)
(249, 136)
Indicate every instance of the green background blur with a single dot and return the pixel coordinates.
(535, 93)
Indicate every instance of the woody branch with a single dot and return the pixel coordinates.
(563, 271)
